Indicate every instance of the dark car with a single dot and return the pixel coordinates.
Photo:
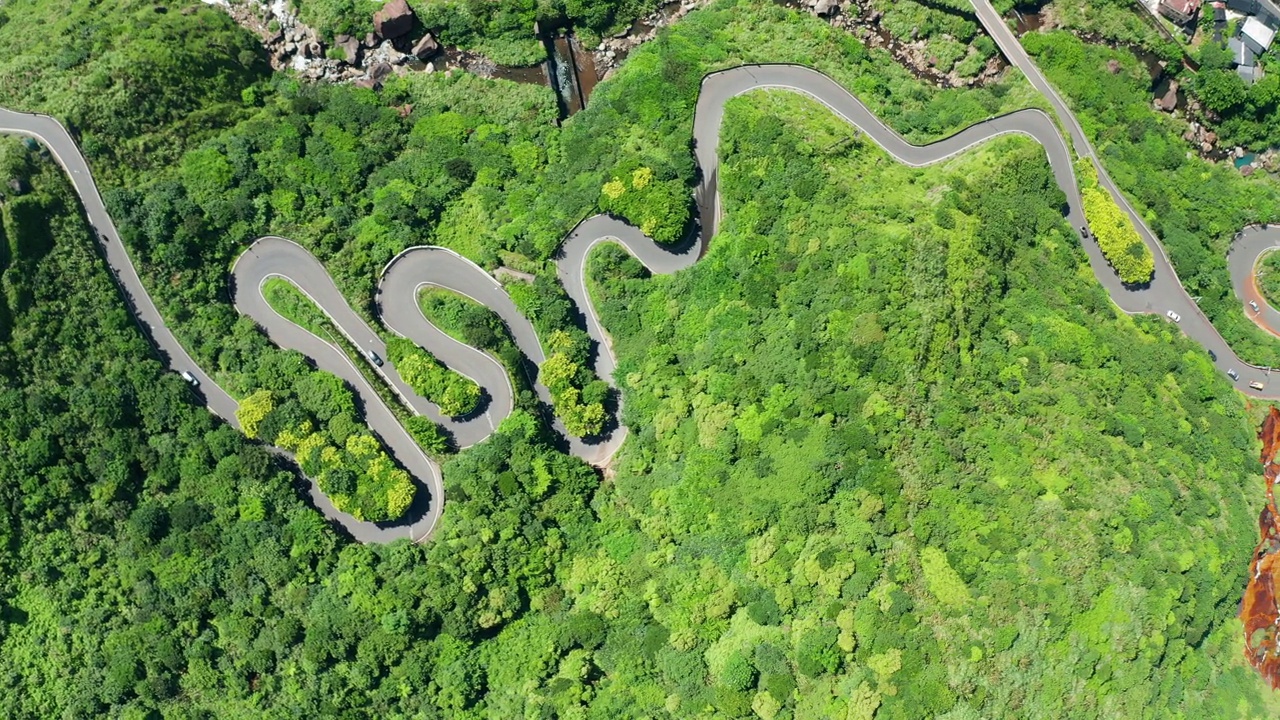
(373, 357)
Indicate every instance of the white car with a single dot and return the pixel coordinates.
(186, 375)
(1254, 305)
(1173, 316)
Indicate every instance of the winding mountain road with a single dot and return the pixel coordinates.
(420, 267)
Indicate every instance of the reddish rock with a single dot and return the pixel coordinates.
(1258, 609)
(379, 72)
(426, 47)
(1113, 66)
(367, 83)
(394, 19)
(371, 41)
(1211, 138)
(1247, 170)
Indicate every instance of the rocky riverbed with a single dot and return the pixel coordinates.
(366, 61)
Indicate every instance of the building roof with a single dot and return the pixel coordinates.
(1266, 10)
(1257, 31)
(1186, 7)
(1249, 73)
(1242, 55)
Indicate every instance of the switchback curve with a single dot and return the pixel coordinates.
(273, 256)
(1248, 248)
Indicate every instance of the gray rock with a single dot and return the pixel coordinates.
(379, 72)
(394, 19)
(1170, 100)
(823, 8)
(350, 48)
(367, 83)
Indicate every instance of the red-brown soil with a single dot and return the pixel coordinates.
(1258, 611)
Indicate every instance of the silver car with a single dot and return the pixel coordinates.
(186, 375)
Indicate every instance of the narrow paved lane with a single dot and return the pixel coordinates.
(65, 151)
(416, 268)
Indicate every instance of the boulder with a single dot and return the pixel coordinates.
(426, 47)
(379, 72)
(1247, 170)
(1113, 66)
(367, 83)
(313, 50)
(371, 40)
(394, 19)
(1211, 138)
(350, 47)
(1170, 100)
(824, 8)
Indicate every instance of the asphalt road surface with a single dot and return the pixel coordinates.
(1250, 245)
(422, 267)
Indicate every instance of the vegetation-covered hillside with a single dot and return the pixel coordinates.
(896, 449)
(156, 564)
(139, 81)
(893, 453)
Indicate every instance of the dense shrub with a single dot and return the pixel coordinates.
(454, 394)
(1117, 237)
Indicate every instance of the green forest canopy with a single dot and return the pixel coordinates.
(894, 451)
